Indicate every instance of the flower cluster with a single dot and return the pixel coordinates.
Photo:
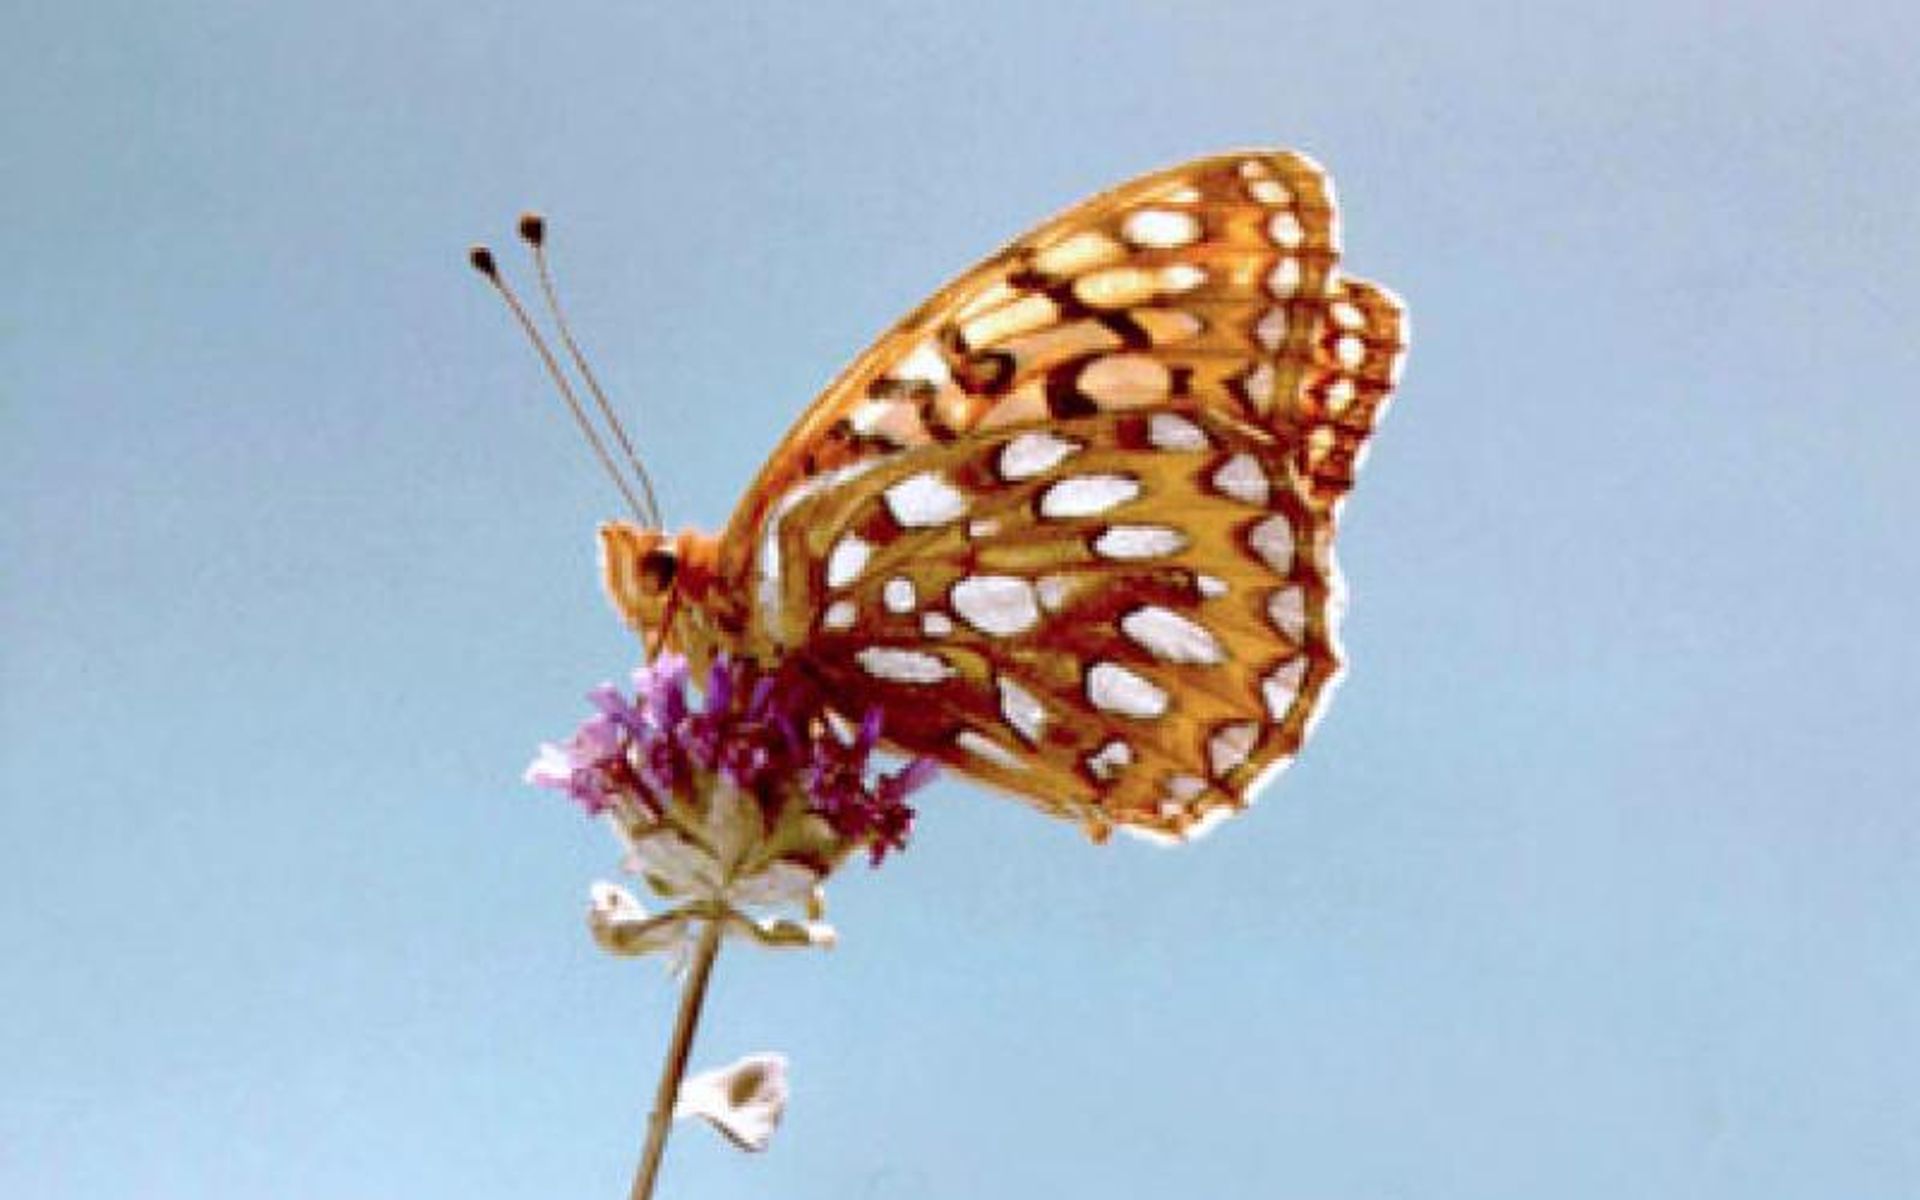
(749, 799)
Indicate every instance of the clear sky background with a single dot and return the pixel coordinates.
(1599, 880)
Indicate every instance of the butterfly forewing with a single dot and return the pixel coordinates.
(1209, 284)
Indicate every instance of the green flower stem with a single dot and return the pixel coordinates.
(692, 998)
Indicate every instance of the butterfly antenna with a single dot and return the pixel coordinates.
(482, 260)
(533, 231)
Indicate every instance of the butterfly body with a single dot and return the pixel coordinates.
(1070, 524)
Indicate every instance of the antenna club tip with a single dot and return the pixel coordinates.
(533, 228)
(481, 260)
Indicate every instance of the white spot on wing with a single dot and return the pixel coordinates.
(1259, 385)
(899, 595)
(1284, 280)
(1269, 192)
(1054, 590)
(1272, 329)
(1339, 395)
(1284, 228)
(1160, 228)
(1138, 541)
(1230, 745)
(1021, 316)
(1171, 431)
(1171, 637)
(839, 615)
(924, 363)
(1272, 540)
(1115, 287)
(936, 624)
(1281, 685)
(1118, 690)
(1211, 586)
(903, 666)
(1181, 277)
(1033, 453)
(1320, 440)
(1085, 495)
(1021, 709)
(770, 565)
(1081, 252)
(981, 746)
(1241, 478)
(996, 604)
(1351, 351)
(1183, 790)
(1287, 609)
(869, 415)
(1125, 380)
(923, 500)
(847, 559)
(1110, 760)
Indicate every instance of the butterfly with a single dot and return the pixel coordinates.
(1069, 525)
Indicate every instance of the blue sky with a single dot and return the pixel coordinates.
(1597, 882)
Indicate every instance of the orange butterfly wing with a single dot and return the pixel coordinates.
(1214, 283)
(1142, 660)
(1127, 619)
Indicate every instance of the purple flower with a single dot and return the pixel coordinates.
(590, 766)
(893, 816)
(659, 765)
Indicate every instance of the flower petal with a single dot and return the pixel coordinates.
(675, 866)
(551, 768)
(783, 934)
(744, 1101)
(909, 779)
(733, 822)
(869, 735)
(662, 691)
(782, 882)
(621, 926)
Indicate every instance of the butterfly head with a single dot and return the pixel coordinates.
(659, 584)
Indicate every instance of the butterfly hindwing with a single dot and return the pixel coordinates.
(1127, 619)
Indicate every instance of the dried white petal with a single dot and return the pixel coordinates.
(673, 866)
(744, 1101)
(781, 882)
(781, 933)
(621, 925)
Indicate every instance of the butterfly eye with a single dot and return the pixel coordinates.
(658, 567)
